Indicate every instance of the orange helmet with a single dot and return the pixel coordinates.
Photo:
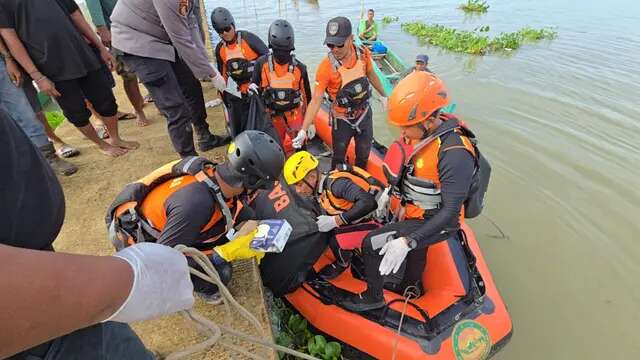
(415, 98)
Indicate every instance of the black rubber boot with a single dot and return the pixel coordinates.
(363, 302)
(58, 165)
(336, 268)
(207, 141)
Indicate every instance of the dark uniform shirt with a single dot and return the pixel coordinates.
(363, 202)
(31, 199)
(54, 44)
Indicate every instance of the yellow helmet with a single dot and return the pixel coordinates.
(298, 166)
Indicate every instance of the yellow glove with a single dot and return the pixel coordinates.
(238, 248)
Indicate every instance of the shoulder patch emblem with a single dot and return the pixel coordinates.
(183, 7)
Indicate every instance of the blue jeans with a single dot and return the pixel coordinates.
(106, 341)
(13, 101)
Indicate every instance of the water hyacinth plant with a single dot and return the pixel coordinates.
(389, 19)
(477, 41)
(474, 6)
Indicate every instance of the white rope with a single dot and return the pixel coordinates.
(216, 331)
(408, 295)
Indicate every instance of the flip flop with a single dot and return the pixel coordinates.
(66, 151)
(126, 116)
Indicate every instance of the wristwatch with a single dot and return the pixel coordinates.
(411, 243)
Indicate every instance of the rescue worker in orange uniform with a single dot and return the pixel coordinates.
(346, 194)
(428, 190)
(283, 82)
(346, 76)
(196, 202)
(235, 56)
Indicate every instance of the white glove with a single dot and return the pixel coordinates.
(219, 83)
(254, 88)
(385, 103)
(326, 223)
(394, 253)
(161, 283)
(299, 139)
(383, 204)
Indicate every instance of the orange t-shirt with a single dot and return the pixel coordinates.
(329, 81)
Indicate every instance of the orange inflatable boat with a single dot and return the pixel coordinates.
(461, 314)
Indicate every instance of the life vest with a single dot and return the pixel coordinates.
(355, 89)
(239, 62)
(412, 172)
(138, 214)
(282, 93)
(334, 205)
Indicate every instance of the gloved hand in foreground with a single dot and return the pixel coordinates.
(299, 139)
(326, 223)
(161, 283)
(395, 251)
(238, 247)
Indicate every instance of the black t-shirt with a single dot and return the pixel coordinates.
(31, 198)
(54, 44)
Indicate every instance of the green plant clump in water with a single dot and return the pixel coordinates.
(389, 19)
(475, 42)
(474, 6)
(294, 333)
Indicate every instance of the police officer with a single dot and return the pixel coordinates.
(195, 202)
(283, 81)
(162, 45)
(345, 75)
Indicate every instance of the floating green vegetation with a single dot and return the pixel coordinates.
(294, 333)
(389, 19)
(474, 6)
(477, 41)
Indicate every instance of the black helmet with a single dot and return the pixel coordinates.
(221, 18)
(257, 157)
(281, 35)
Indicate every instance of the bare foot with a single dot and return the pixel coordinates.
(129, 145)
(142, 120)
(113, 151)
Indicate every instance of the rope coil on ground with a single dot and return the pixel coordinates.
(216, 331)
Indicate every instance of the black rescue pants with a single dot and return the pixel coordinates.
(177, 94)
(415, 261)
(342, 131)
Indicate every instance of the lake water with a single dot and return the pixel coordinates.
(560, 124)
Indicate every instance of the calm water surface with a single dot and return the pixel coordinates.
(559, 121)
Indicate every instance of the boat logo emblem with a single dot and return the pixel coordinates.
(333, 28)
(471, 341)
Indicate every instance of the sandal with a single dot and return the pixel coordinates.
(67, 151)
(125, 116)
